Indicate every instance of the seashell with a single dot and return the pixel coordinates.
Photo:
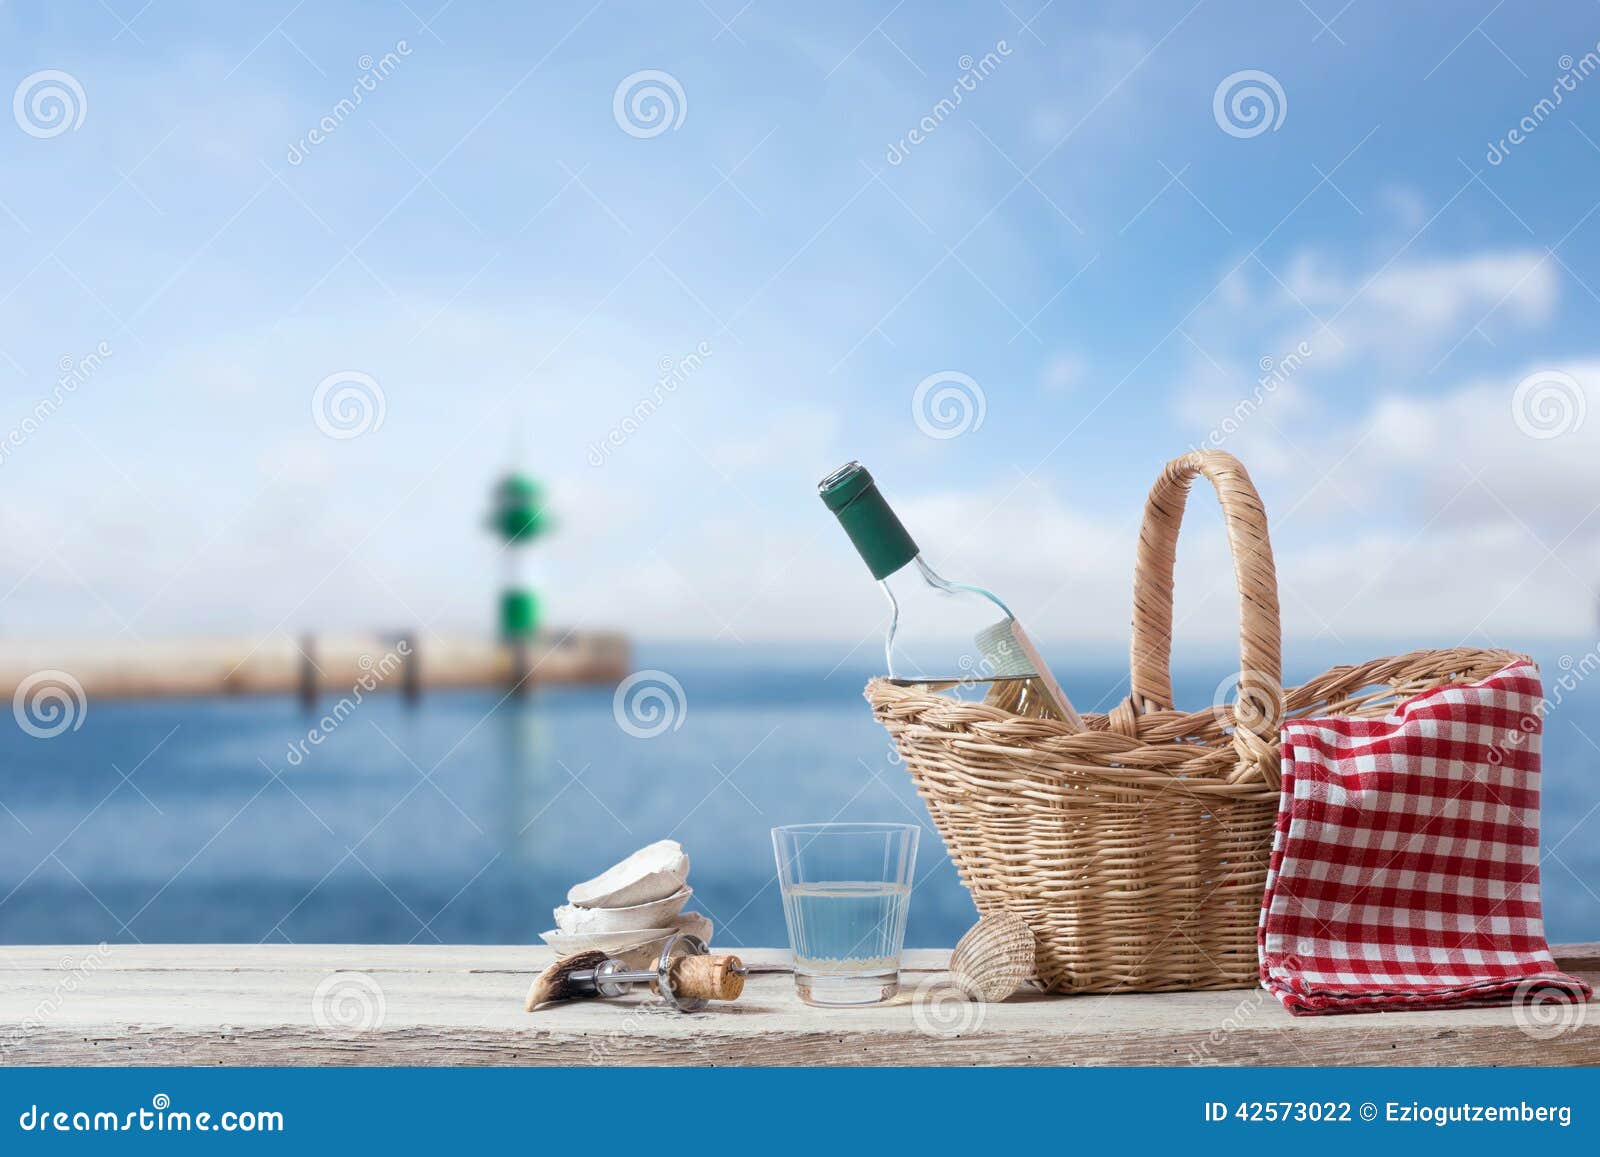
(993, 958)
(654, 872)
(611, 943)
(636, 948)
(655, 914)
(645, 955)
(694, 924)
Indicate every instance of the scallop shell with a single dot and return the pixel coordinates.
(993, 958)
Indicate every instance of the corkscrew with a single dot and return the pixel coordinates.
(685, 976)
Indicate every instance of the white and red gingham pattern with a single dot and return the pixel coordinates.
(1405, 861)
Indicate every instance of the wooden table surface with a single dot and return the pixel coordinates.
(462, 1005)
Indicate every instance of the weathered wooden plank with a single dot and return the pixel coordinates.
(1578, 957)
(259, 1005)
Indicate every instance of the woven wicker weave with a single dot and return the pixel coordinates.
(1137, 849)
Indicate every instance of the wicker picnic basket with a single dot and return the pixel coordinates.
(1136, 849)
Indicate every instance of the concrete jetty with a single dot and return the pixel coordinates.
(311, 665)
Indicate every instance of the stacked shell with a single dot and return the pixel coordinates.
(629, 909)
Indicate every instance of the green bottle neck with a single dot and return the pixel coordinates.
(877, 533)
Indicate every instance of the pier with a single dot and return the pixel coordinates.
(313, 666)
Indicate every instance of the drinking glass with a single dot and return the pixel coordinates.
(846, 891)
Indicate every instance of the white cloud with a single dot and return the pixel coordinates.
(1399, 539)
(1407, 205)
(1445, 586)
(1261, 376)
(1400, 317)
(1063, 372)
(1403, 312)
(1442, 295)
(1093, 64)
(1436, 515)
(1435, 444)
(789, 439)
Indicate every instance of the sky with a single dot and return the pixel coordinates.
(304, 333)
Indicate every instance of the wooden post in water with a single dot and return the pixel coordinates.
(411, 669)
(309, 688)
(520, 669)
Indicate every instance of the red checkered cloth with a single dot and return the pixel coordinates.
(1405, 862)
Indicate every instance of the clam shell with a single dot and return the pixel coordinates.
(655, 914)
(635, 948)
(993, 958)
(611, 943)
(694, 924)
(654, 872)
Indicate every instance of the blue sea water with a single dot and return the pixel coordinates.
(464, 819)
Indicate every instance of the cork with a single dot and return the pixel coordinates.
(708, 977)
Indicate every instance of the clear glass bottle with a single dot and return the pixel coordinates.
(952, 635)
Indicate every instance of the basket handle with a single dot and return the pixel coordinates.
(1260, 633)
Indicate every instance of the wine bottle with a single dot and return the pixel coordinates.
(941, 633)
